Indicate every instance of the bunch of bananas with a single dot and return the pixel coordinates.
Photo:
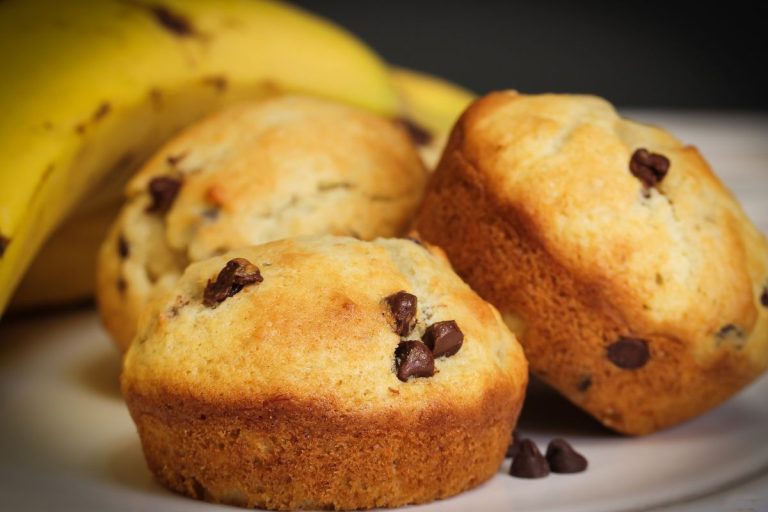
(91, 89)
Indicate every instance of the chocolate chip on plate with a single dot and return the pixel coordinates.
(236, 274)
(628, 353)
(514, 445)
(443, 338)
(403, 307)
(649, 168)
(562, 458)
(529, 462)
(163, 191)
(413, 359)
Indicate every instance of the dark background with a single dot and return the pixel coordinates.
(637, 54)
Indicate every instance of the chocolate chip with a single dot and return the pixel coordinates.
(123, 249)
(584, 384)
(413, 359)
(4, 243)
(171, 21)
(529, 462)
(562, 458)
(629, 353)
(418, 134)
(732, 334)
(236, 274)
(163, 190)
(729, 330)
(403, 307)
(443, 338)
(763, 297)
(649, 168)
(514, 445)
(121, 285)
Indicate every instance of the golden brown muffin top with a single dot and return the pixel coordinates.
(256, 172)
(318, 327)
(671, 240)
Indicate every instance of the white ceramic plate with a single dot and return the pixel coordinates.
(68, 443)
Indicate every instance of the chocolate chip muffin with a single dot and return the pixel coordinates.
(323, 373)
(631, 275)
(287, 166)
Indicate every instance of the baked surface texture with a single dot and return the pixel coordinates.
(285, 394)
(259, 171)
(645, 305)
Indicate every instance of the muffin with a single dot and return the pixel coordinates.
(631, 275)
(276, 168)
(323, 373)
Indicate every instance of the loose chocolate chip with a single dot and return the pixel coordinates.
(629, 353)
(4, 242)
(163, 190)
(584, 384)
(443, 338)
(418, 134)
(236, 274)
(173, 22)
(403, 307)
(413, 359)
(514, 446)
(649, 168)
(123, 249)
(562, 458)
(763, 297)
(529, 462)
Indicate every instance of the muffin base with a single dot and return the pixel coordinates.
(283, 453)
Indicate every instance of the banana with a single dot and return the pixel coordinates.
(433, 104)
(91, 89)
(429, 102)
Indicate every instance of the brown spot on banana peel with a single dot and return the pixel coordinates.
(46, 174)
(218, 82)
(175, 23)
(4, 243)
(156, 98)
(101, 111)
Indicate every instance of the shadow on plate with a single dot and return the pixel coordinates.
(546, 412)
(126, 467)
(100, 374)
